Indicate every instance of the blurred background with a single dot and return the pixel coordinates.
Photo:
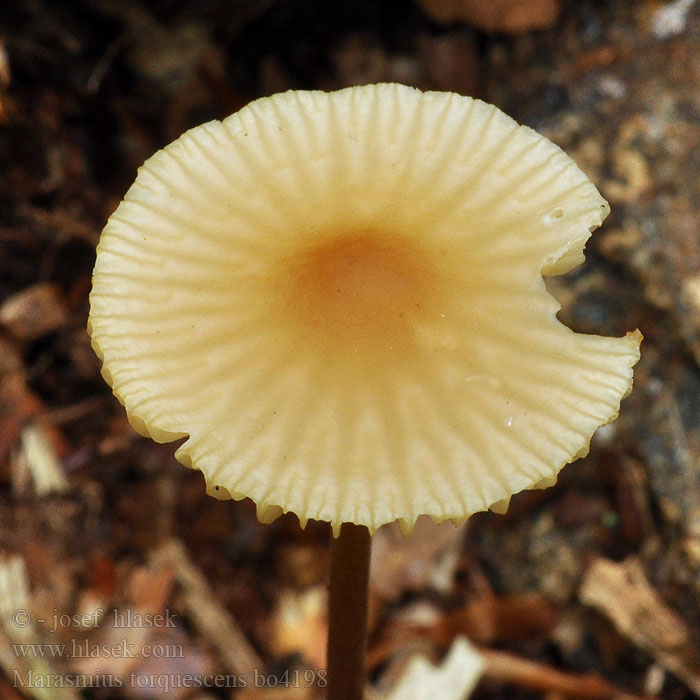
(120, 578)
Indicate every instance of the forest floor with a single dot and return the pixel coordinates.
(589, 589)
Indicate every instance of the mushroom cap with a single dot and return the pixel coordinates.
(338, 299)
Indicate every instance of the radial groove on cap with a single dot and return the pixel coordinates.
(337, 298)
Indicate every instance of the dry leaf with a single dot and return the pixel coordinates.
(622, 593)
(38, 462)
(454, 679)
(300, 627)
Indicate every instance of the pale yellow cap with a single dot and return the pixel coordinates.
(338, 299)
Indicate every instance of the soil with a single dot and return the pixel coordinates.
(96, 521)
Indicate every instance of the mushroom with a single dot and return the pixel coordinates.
(337, 299)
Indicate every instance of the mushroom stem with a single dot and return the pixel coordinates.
(347, 633)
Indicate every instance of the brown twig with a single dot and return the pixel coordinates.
(503, 667)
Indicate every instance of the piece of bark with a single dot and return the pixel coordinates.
(623, 594)
(630, 480)
(662, 428)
